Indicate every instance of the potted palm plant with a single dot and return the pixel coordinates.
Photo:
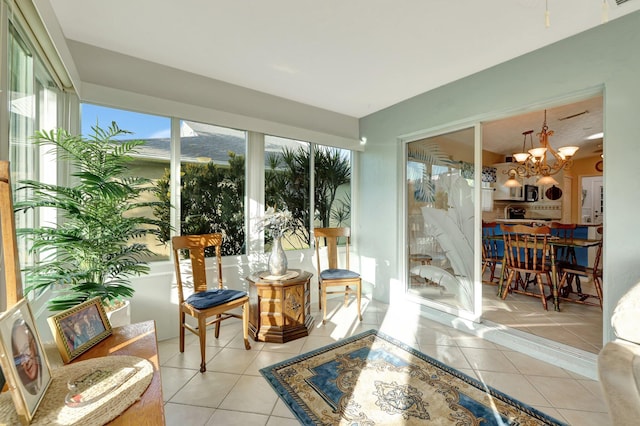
(96, 246)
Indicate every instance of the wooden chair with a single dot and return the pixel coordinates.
(205, 303)
(526, 251)
(567, 270)
(565, 254)
(491, 255)
(334, 276)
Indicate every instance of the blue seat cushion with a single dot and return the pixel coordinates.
(337, 274)
(211, 298)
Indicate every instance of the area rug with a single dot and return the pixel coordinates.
(373, 379)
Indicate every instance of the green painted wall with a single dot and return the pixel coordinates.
(606, 57)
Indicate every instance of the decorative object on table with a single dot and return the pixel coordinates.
(276, 223)
(372, 378)
(90, 387)
(79, 328)
(99, 246)
(54, 411)
(219, 303)
(23, 359)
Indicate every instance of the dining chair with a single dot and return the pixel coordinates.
(334, 276)
(491, 254)
(205, 303)
(567, 270)
(565, 232)
(526, 252)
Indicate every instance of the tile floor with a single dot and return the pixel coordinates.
(232, 391)
(575, 325)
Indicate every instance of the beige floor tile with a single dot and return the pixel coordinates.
(237, 418)
(568, 394)
(514, 386)
(533, 367)
(585, 418)
(173, 379)
(191, 358)
(488, 360)
(281, 421)
(265, 359)
(229, 360)
(206, 389)
(263, 398)
(281, 410)
(449, 355)
(181, 415)
(316, 342)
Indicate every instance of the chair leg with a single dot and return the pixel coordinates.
(323, 291)
(319, 294)
(359, 297)
(182, 319)
(202, 334)
(217, 333)
(542, 295)
(505, 289)
(598, 285)
(245, 325)
(347, 293)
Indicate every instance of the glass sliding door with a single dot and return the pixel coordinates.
(441, 220)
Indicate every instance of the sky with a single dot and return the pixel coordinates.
(142, 126)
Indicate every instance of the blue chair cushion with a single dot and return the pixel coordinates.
(211, 298)
(336, 274)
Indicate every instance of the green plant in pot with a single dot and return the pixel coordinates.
(96, 247)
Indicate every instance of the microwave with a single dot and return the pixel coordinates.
(530, 193)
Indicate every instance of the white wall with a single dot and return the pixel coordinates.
(606, 57)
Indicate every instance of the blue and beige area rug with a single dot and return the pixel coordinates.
(372, 379)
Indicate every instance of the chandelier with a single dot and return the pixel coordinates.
(534, 162)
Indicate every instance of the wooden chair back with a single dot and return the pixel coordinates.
(490, 250)
(526, 247)
(330, 237)
(564, 231)
(195, 245)
(12, 277)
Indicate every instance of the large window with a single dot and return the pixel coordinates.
(151, 161)
(212, 180)
(288, 184)
(34, 102)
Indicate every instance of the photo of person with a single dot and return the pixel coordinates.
(24, 361)
(79, 328)
(26, 356)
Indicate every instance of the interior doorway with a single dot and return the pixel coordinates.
(592, 199)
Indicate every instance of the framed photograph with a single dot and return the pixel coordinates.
(23, 359)
(79, 328)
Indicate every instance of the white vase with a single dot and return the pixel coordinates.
(277, 259)
(120, 316)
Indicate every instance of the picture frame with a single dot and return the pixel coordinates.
(23, 360)
(78, 329)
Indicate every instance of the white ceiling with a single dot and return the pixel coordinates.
(353, 57)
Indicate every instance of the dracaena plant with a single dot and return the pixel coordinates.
(96, 246)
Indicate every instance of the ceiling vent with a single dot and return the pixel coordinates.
(619, 2)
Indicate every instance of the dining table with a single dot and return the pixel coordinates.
(554, 243)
